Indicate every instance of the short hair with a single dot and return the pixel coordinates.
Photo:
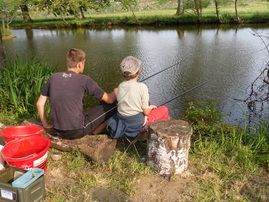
(74, 56)
(128, 77)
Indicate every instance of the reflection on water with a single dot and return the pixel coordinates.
(230, 58)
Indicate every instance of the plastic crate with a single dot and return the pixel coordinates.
(28, 178)
(34, 192)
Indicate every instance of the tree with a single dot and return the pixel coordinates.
(219, 3)
(217, 8)
(258, 97)
(25, 12)
(129, 5)
(180, 8)
(71, 7)
(197, 7)
(8, 10)
(236, 12)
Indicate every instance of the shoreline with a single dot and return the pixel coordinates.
(142, 21)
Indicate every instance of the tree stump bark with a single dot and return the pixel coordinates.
(168, 146)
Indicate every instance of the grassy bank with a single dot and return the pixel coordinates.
(254, 12)
(226, 163)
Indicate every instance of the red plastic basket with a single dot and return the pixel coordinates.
(27, 153)
(21, 131)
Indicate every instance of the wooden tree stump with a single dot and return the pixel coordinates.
(98, 148)
(168, 146)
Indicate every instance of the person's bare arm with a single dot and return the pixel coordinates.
(40, 104)
(110, 97)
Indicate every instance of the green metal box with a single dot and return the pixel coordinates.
(32, 193)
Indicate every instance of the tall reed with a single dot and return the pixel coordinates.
(21, 81)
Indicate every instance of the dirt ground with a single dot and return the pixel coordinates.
(148, 188)
(156, 188)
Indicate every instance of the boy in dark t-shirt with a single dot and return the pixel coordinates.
(66, 91)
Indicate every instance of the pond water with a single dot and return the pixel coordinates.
(228, 58)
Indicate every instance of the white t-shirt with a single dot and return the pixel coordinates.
(132, 98)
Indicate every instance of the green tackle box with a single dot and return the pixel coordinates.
(34, 192)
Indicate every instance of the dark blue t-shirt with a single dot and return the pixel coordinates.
(66, 91)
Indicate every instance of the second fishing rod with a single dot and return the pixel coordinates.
(113, 108)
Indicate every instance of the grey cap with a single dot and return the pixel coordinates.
(130, 64)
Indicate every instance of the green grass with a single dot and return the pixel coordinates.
(222, 160)
(119, 173)
(252, 12)
(20, 86)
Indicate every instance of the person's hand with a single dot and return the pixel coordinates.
(115, 91)
(48, 126)
(152, 107)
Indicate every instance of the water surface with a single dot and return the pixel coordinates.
(229, 58)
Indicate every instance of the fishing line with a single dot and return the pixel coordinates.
(160, 71)
(185, 92)
(191, 89)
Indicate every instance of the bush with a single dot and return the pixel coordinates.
(226, 18)
(205, 112)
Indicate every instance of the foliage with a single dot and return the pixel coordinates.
(8, 10)
(72, 7)
(226, 18)
(221, 140)
(224, 149)
(126, 4)
(20, 85)
(130, 5)
(197, 6)
(6, 32)
(204, 113)
(258, 90)
(150, 14)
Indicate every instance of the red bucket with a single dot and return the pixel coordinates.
(27, 153)
(16, 132)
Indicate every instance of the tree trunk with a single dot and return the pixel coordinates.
(168, 146)
(198, 9)
(82, 13)
(25, 13)
(217, 9)
(3, 22)
(137, 21)
(2, 52)
(236, 12)
(79, 15)
(180, 8)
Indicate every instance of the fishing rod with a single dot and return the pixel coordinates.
(185, 92)
(191, 89)
(140, 81)
(160, 71)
